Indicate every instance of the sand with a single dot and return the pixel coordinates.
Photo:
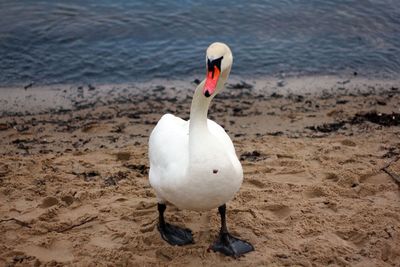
(320, 169)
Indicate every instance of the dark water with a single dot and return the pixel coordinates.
(107, 41)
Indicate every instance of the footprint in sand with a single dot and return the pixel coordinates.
(4, 169)
(314, 192)
(59, 251)
(375, 178)
(48, 202)
(347, 142)
(330, 176)
(389, 253)
(278, 210)
(68, 200)
(123, 156)
(356, 237)
(106, 242)
(95, 128)
(256, 183)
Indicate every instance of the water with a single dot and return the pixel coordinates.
(107, 41)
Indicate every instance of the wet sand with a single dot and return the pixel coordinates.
(320, 159)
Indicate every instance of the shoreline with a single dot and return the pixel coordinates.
(16, 100)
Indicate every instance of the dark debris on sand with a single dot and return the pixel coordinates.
(252, 156)
(327, 127)
(383, 119)
(240, 85)
(113, 180)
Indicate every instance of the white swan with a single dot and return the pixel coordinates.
(193, 164)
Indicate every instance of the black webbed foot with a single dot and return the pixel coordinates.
(175, 235)
(228, 244)
(231, 246)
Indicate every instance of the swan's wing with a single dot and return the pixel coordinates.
(168, 151)
(224, 139)
(226, 143)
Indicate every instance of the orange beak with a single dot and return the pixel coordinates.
(211, 81)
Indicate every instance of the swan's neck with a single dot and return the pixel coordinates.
(198, 113)
(198, 130)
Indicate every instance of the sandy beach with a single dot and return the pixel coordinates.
(320, 158)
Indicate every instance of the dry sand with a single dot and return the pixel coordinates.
(319, 168)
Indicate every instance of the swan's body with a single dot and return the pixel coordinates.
(195, 167)
(193, 164)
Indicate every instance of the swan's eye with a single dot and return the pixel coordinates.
(215, 62)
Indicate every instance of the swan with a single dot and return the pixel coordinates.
(193, 164)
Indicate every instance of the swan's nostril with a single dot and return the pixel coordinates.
(207, 94)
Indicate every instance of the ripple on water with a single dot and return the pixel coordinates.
(122, 41)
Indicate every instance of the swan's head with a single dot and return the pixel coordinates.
(218, 63)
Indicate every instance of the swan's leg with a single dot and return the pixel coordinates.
(226, 243)
(174, 235)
